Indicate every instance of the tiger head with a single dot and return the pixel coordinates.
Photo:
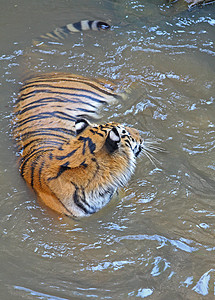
(87, 171)
(116, 137)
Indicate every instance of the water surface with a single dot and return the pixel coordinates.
(156, 239)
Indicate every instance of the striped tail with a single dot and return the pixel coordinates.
(63, 32)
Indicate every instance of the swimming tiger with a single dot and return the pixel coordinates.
(73, 165)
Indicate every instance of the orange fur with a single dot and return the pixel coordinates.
(74, 166)
(72, 174)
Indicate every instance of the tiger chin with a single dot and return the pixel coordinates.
(81, 176)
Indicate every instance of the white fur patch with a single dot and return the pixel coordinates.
(114, 137)
(80, 125)
(85, 25)
(71, 28)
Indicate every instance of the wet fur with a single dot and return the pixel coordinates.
(74, 166)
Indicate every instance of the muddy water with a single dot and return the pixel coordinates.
(156, 239)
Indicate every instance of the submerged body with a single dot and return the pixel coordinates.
(74, 166)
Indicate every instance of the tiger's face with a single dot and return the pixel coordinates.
(99, 160)
(118, 139)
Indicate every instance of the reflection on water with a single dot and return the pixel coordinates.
(155, 240)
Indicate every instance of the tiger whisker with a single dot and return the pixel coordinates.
(152, 141)
(153, 146)
(148, 156)
(151, 157)
(155, 149)
(150, 147)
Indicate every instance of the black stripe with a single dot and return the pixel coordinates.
(46, 37)
(24, 110)
(50, 87)
(85, 110)
(41, 148)
(91, 145)
(54, 36)
(40, 171)
(51, 100)
(77, 200)
(84, 164)
(77, 26)
(43, 141)
(42, 132)
(62, 34)
(43, 129)
(46, 115)
(62, 169)
(90, 23)
(35, 84)
(66, 156)
(96, 132)
(70, 213)
(128, 143)
(33, 165)
(65, 30)
(104, 128)
(84, 201)
(32, 94)
(26, 159)
(95, 173)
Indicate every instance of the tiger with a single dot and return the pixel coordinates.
(74, 165)
(60, 33)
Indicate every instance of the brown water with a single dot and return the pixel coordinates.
(155, 240)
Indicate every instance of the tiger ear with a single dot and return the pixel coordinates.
(80, 125)
(112, 140)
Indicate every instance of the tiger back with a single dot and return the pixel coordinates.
(74, 166)
(50, 104)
